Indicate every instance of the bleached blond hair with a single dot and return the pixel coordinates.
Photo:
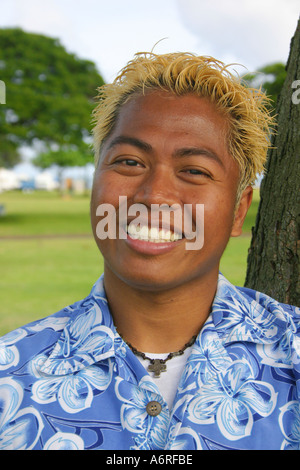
(250, 122)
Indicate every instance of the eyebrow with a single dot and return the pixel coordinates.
(190, 151)
(123, 139)
(183, 152)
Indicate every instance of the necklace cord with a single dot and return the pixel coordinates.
(162, 361)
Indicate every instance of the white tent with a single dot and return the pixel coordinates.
(45, 181)
(8, 180)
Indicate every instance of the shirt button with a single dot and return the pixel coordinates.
(153, 408)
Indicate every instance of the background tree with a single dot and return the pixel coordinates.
(271, 78)
(274, 254)
(49, 97)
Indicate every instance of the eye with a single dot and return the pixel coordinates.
(194, 174)
(128, 166)
(197, 172)
(129, 162)
(193, 171)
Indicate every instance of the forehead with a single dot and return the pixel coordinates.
(163, 117)
(185, 109)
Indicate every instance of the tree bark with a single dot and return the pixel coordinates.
(274, 254)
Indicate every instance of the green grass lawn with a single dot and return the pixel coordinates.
(41, 275)
(44, 213)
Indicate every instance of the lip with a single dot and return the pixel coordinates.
(147, 247)
(151, 248)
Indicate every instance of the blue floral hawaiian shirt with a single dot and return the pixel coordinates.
(70, 382)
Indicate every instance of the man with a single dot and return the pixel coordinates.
(164, 353)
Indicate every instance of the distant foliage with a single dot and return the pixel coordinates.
(271, 78)
(49, 98)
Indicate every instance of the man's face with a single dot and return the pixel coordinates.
(166, 149)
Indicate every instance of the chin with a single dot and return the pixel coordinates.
(150, 280)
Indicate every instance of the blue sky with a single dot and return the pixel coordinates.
(251, 32)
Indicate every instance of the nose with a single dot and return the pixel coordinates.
(158, 187)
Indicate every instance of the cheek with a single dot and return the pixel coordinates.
(103, 192)
(108, 186)
(106, 192)
(218, 215)
(100, 195)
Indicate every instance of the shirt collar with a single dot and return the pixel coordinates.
(241, 314)
(90, 336)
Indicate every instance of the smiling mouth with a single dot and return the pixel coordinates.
(152, 235)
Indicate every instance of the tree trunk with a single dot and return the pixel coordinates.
(274, 254)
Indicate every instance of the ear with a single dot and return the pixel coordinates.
(241, 211)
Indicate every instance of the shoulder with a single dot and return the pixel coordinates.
(20, 345)
(269, 303)
(253, 316)
(38, 336)
(284, 323)
(250, 300)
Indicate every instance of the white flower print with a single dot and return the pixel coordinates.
(230, 398)
(82, 341)
(289, 421)
(73, 392)
(181, 438)
(20, 428)
(207, 358)
(64, 441)
(9, 354)
(151, 431)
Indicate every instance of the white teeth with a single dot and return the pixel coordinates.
(153, 234)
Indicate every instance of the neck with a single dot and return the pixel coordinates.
(159, 322)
